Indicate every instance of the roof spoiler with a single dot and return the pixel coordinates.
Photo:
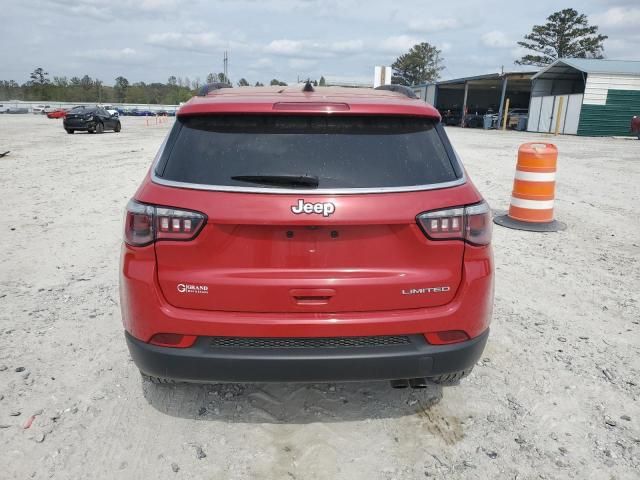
(406, 91)
(210, 87)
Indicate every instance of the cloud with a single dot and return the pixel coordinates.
(519, 52)
(496, 39)
(433, 25)
(202, 42)
(92, 11)
(628, 48)
(285, 47)
(397, 44)
(307, 49)
(113, 9)
(301, 63)
(157, 5)
(123, 55)
(261, 63)
(618, 17)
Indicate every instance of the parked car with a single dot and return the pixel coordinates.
(451, 117)
(312, 236)
(4, 108)
(42, 109)
(57, 113)
(17, 110)
(90, 119)
(111, 109)
(635, 125)
(141, 113)
(475, 118)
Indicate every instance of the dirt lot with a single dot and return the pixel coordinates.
(555, 395)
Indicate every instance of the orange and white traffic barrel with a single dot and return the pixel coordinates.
(534, 187)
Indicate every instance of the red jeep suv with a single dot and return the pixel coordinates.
(291, 234)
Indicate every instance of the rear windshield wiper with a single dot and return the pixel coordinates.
(295, 181)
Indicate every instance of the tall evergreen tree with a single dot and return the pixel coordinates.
(567, 34)
(421, 64)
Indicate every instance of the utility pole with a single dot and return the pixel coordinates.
(226, 62)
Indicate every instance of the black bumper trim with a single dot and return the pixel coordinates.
(203, 363)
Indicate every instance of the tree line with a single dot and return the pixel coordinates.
(566, 34)
(41, 87)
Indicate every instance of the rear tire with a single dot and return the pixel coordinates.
(450, 379)
(118, 127)
(156, 380)
(70, 131)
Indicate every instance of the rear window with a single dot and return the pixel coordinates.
(339, 151)
(82, 109)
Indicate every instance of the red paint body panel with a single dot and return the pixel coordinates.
(146, 312)
(249, 264)
(262, 100)
(60, 113)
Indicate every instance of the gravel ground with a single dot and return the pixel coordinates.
(554, 396)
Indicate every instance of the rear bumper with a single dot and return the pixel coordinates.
(74, 125)
(204, 363)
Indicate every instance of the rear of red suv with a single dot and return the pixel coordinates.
(289, 235)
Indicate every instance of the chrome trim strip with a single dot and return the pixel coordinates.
(304, 191)
(301, 191)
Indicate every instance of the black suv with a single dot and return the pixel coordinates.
(91, 119)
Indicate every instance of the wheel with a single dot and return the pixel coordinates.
(70, 131)
(156, 380)
(118, 127)
(450, 379)
(99, 128)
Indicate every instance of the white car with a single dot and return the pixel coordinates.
(42, 109)
(111, 109)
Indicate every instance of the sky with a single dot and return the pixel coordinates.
(150, 40)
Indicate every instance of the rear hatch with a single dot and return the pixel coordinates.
(308, 213)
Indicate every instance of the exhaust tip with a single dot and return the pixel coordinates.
(399, 383)
(418, 383)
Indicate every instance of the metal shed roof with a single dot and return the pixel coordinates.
(566, 66)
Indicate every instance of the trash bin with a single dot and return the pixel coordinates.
(522, 123)
(487, 122)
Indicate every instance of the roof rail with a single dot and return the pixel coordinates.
(210, 87)
(406, 91)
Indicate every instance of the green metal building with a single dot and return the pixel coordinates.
(585, 97)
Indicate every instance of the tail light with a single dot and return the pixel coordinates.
(471, 224)
(145, 224)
